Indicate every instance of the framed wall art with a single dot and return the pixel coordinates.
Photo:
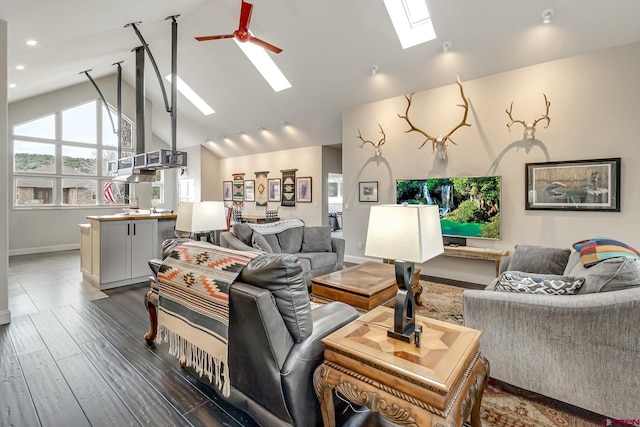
(576, 185)
(368, 191)
(303, 189)
(273, 188)
(227, 190)
(249, 190)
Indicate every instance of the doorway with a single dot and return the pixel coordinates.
(334, 187)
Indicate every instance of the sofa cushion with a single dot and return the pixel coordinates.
(539, 259)
(259, 242)
(243, 232)
(574, 259)
(593, 251)
(290, 240)
(609, 275)
(547, 284)
(319, 259)
(316, 239)
(282, 275)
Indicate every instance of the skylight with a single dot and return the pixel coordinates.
(265, 65)
(411, 21)
(192, 96)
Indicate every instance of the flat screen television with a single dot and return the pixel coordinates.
(469, 206)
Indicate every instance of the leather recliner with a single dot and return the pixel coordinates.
(274, 341)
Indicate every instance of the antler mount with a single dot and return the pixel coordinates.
(438, 143)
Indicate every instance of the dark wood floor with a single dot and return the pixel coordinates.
(87, 364)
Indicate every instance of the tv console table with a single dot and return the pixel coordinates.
(472, 252)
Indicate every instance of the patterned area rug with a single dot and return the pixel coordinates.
(503, 405)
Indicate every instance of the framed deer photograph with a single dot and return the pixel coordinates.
(576, 185)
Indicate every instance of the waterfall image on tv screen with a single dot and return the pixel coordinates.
(469, 207)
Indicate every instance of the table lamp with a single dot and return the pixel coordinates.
(406, 234)
(201, 217)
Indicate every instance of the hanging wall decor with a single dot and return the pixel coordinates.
(238, 190)
(376, 145)
(288, 187)
(530, 127)
(303, 189)
(438, 143)
(261, 189)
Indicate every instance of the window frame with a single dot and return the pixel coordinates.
(58, 176)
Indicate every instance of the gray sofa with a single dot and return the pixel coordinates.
(583, 349)
(318, 252)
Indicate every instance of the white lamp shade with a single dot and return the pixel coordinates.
(196, 217)
(407, 233)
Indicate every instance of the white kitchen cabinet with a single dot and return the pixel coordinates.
(120, 251)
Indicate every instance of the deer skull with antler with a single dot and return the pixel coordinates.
(530, 128)
(376, 145)
(438, 143)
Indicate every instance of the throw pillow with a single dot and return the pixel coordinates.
(259, 242)
(243, 232)
(539, 259)
(593, 251)
(515, 281)
(282, 275)
(291, 240)
(316, 239)
(609, 275)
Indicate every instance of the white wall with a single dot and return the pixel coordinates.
(594, 114)
(307, 160)
(31, 230)
(5, 315)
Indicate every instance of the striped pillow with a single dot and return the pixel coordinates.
(593, 251)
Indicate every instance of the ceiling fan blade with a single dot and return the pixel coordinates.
(205, 38)
(265, 45)
(245, 15)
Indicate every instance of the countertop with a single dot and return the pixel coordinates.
(133, 215)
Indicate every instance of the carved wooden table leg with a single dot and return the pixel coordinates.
(475, 411)
(151, 302)
(325, 394)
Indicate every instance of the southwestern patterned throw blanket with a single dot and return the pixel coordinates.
(193, 315)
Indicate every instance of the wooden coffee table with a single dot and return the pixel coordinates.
(363, 286)
(440, 383)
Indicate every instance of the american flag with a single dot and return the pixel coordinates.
(107, 193)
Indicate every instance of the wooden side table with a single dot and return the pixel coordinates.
(440, 383)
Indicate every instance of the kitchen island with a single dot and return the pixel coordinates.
(114, 249)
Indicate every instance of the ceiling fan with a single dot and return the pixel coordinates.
(242, 33)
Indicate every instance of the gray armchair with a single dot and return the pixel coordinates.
(581, 349)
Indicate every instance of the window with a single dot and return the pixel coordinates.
(62, 159)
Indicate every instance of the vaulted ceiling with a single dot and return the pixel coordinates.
(329, 48)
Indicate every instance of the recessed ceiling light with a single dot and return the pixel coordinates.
(374, 69)
(446, 46)
(12, 85)
(547, 16)
(240, 133)
(261, 128)
(32, 42)
(20, 67)
(283, 123)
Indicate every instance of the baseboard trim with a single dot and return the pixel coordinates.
(43, 249)
(5, 317)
